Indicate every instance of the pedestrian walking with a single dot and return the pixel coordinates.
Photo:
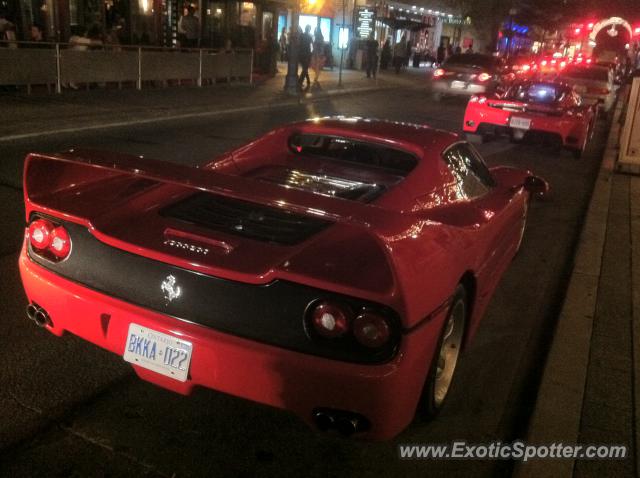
(385, 57)
(318, 58)
(283, 41)
(441, 54)
(304, 56)
(372, 57)
(400, 53)
(188, 28)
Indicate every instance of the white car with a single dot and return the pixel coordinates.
(592, 83)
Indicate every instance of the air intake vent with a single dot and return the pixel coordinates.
(246, 219)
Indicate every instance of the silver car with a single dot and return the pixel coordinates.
(594, 83)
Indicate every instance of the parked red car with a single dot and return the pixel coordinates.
(334, 267)
(551, 109)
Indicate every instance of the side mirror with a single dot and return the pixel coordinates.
(536, 186)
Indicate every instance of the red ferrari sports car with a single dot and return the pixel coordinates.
(548, 109)
(333, 267)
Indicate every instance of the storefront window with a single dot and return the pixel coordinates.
(325, 28)
(267, 24)
(247, 14)
(310, 20)
(215, 24)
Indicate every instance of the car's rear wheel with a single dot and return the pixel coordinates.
(445, 360)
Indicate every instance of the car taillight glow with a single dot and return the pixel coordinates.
(526, 67)
(438, 73)
(543, 63)
(330, 320)
(40, 233)
(563, 64)
(60, 243)
(484, 77)
(371, 330)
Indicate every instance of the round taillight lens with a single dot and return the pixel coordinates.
(330, 320)
(484, 77)
(60, 245)
(438, 73)
(371, 330)
(40, 233)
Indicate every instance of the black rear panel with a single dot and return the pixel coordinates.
(246, 219)
(271, 313)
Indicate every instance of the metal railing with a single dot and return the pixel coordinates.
(63, 64)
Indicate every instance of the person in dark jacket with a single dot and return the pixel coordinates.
(385, 57)
(372, 57)
(304, 56)
(441, 54)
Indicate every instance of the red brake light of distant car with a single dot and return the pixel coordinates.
(563, 64)
(438, 73)
(330, 319)
(589, 60)
(543, 63)
(371, 330)
(60, 243)
(40, 234)
(526, 67)
(484, 77)
(553, 62)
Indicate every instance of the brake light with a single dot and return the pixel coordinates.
(526, 67)
(438, 73)
(484, 77)
(330, 320)
(553, 62)
(60, 243)
(543, 63)
(371, 330)
(563, 64)
(49, 240)
(40, 233)
(589, 60)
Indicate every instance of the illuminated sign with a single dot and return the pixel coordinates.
(365, 21)
(343, 38)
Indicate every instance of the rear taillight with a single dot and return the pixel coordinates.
(543, 63)
(371, 330)
(330, 319)
(484, 77)
(49, 240)
(526, 67)
(438, 73)
(563, 64)
(40, 234)
(60, 243)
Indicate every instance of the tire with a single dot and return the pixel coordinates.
(443, 365)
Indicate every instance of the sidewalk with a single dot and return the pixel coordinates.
(39, 114)
(590, 390)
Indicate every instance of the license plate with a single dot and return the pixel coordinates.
(162, 353)
(520, 123)
(458, 84)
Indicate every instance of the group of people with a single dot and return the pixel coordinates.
(311, 54)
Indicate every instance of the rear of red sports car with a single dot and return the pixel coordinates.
(294, 271)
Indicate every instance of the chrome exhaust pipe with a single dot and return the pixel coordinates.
(31, 311)
(42, 318)
(323, 420)
(347, 426)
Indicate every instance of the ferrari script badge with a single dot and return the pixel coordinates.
(170, 289)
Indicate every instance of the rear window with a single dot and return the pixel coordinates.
(471, 59)
(541, 93)
(596, 74)
(365, 154)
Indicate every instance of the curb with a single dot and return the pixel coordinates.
(558, 408)
(308, 98)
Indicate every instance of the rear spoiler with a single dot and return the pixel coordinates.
(46, 175)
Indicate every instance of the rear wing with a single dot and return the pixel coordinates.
(47, 177)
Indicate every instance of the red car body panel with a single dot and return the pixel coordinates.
(407, 250)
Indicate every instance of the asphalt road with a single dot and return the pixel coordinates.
(68, 408)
